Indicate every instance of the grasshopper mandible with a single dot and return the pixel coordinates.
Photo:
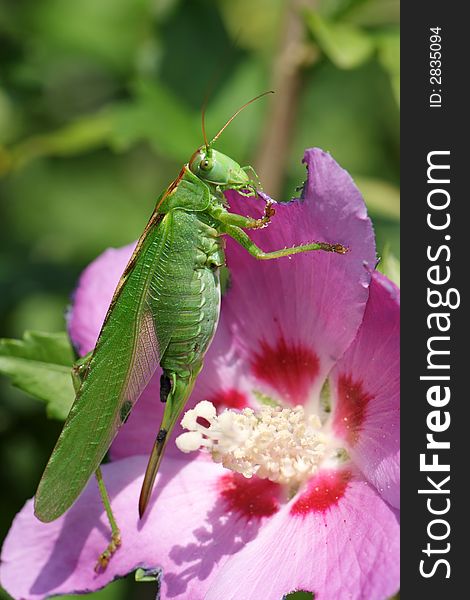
(164, 312)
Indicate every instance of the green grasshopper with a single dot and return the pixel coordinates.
(164, 312)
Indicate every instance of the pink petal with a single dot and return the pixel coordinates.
(366, 390)
(294, 317)
(93, 296)
(196, 520)
(345, 547)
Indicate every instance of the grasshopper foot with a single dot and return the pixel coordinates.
(105, 557)
(269, 212)
(337, 248)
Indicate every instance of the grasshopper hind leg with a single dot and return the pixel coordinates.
(175, 389)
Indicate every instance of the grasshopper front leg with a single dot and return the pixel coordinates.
(222, 215)
(79, 371)
(232, 224)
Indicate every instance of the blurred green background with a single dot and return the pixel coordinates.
(100, 105)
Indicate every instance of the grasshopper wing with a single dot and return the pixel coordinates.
(125, 358)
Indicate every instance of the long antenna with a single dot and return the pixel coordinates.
(233, 117)
(203, 115)
(211, 85)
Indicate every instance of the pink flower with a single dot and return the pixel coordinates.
(286, 327)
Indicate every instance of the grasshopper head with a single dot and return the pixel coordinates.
(218, 169)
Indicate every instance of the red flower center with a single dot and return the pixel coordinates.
(351, 410)
(249, 497)
(230, 398)
(324, 490)
(290, 368)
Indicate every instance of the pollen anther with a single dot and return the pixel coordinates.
(284, 445)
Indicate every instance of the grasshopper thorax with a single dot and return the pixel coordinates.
(218, 169)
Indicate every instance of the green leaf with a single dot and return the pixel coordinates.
(117, 590)
(260, 22)
(158, 116)
(352, 115)
(40, 365)
(373, 13)
(299, 596)
(388, 48)
(148, 575)
(109, 32)
(4, 595)
(154, 115)
(83, 135)
(346, 45)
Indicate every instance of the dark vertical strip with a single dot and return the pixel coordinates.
(435, 270)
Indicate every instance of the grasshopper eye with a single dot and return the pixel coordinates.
(206, 164)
